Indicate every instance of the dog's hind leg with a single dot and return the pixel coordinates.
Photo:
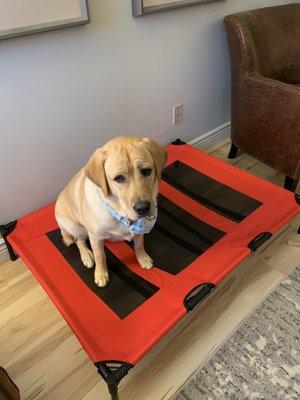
(73, 232)
(67, 230)
(68, 239)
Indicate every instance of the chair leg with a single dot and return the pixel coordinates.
(290, 183)
(233, 151)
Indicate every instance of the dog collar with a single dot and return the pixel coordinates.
(139, 226)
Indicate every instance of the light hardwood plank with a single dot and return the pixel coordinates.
(21, 303)
(22, 333)
(283, 257)
(50, 368)
(9, 271)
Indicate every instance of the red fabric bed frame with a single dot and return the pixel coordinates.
(105, 335)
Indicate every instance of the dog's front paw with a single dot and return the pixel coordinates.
(87, 258)
(145, 261)
(101, 278)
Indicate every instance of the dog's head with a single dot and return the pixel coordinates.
(128, 169)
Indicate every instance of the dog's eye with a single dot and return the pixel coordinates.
(119, 178)
(146, 171)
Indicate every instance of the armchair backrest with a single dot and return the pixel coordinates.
(266, 40)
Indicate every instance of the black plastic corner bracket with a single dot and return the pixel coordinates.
(258, 241)
(5, 230)
(113, 372)
(178, 142)
(196, 295)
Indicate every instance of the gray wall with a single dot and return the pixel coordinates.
(64, 93)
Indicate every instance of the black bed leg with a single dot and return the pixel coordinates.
(112, 372)
(113, 390)
(233, 151)
(290, 183)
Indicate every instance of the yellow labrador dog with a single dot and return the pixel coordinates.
(113, 197)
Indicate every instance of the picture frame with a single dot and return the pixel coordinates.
(23, 18)
(144, 7)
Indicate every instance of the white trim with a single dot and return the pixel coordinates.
(210, 138)
(3, 251)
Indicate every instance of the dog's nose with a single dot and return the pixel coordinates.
(142, 207)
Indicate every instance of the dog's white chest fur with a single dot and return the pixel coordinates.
(116, 231)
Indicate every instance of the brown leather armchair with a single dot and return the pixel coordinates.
(264, 47)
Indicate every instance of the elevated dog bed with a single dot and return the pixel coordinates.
(212, 216)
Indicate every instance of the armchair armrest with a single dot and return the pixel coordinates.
(272, 86)
(266, 121)
(272, 102)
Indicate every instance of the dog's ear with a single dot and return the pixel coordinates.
(159, 155)
(95, 171)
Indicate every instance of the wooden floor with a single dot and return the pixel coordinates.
(47, 362)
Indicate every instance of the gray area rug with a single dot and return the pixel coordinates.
(261, 360)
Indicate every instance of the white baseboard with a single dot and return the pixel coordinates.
(212, 137)
(204, 141)
(3, 251)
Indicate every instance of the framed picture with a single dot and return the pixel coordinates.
(142, 7)
(20, 17)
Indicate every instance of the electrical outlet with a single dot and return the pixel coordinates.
(177, 114)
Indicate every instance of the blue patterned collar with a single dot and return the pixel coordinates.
(139, 226)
